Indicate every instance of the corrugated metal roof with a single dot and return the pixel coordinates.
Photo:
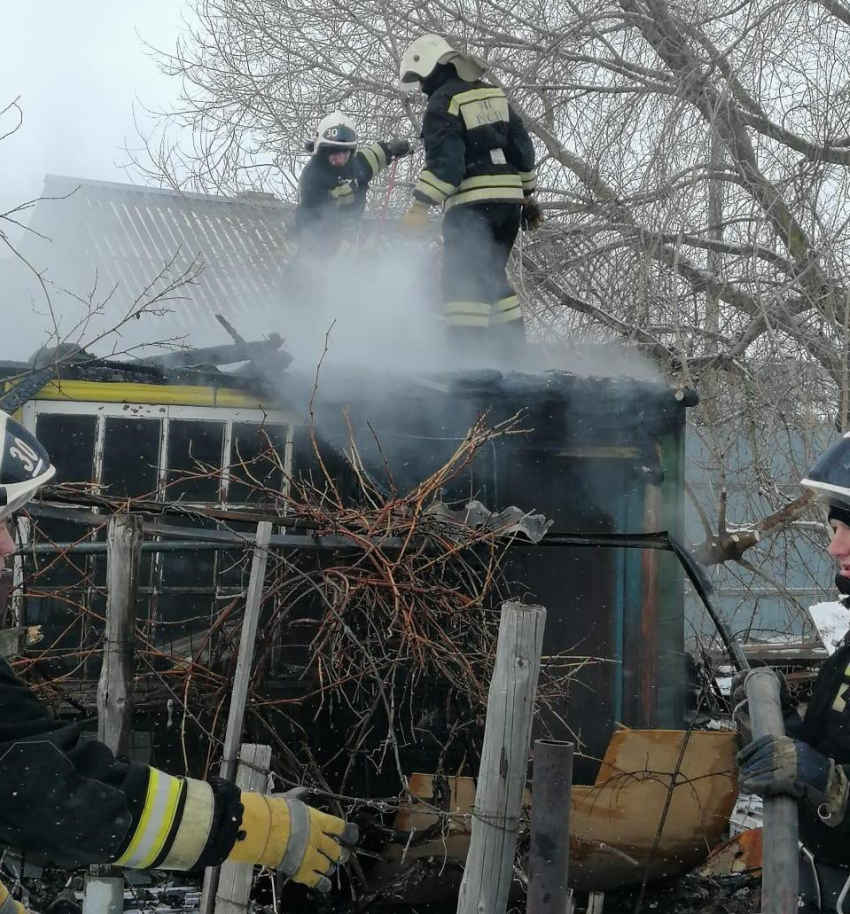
(121, 236)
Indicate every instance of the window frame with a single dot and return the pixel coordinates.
(164, 413)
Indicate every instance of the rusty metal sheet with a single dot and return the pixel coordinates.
(616, 820)
(741, 854)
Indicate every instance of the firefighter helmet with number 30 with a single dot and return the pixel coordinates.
(336, 131)
(24, 466)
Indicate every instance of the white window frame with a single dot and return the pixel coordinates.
(165, 413)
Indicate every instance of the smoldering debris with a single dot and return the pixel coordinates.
(692, 894)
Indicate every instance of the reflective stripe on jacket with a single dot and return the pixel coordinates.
(476, 146)
(332, 200)
(70, 801)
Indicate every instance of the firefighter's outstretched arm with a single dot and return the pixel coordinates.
(71, 801)
(371, 160)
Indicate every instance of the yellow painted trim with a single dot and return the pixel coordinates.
(153, 394)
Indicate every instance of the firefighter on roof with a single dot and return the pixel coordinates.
(332, 189)
(72, 802)
(480, 169)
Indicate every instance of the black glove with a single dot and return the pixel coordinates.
(398, 148)
(739, 695)
(776, 765)
(741, 708)
(532, 216)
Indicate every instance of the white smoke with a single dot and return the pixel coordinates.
(374, 310)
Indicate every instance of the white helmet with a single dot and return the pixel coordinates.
(422, 58)
(24, 466)
(426, 53)
(336, 131)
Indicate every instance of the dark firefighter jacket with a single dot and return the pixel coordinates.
(826, 727)
(476, 146)
(69, 801)
(331, 200)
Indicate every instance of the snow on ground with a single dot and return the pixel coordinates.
(831, 621)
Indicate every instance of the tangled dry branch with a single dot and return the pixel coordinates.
(389, 637)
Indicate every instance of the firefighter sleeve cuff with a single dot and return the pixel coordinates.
(376, 157)
(529, 181)
(174, 826)
(430, 189)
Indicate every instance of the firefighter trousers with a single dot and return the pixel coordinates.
(477, 242)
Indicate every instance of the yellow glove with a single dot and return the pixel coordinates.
(7, 903)
(285, 834)
(415, 220)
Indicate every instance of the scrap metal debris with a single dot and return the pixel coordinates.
(509, 522)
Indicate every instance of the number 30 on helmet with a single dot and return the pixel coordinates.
(336, 131)
(24, 466)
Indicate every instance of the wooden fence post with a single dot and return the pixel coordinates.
(235, 879)
(115, 687)
(504, 761)
(241, 681)
(104, 888)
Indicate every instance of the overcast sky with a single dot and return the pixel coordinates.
(79, 66)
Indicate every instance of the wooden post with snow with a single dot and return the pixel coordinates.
(235, 879)
(115, 687)
(241, 681)
(104, 889)
(504, 761)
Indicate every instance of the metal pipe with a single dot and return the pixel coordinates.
(214, 545)
(549, 845)
(779, 889)
(693, 568)
(212, 540)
